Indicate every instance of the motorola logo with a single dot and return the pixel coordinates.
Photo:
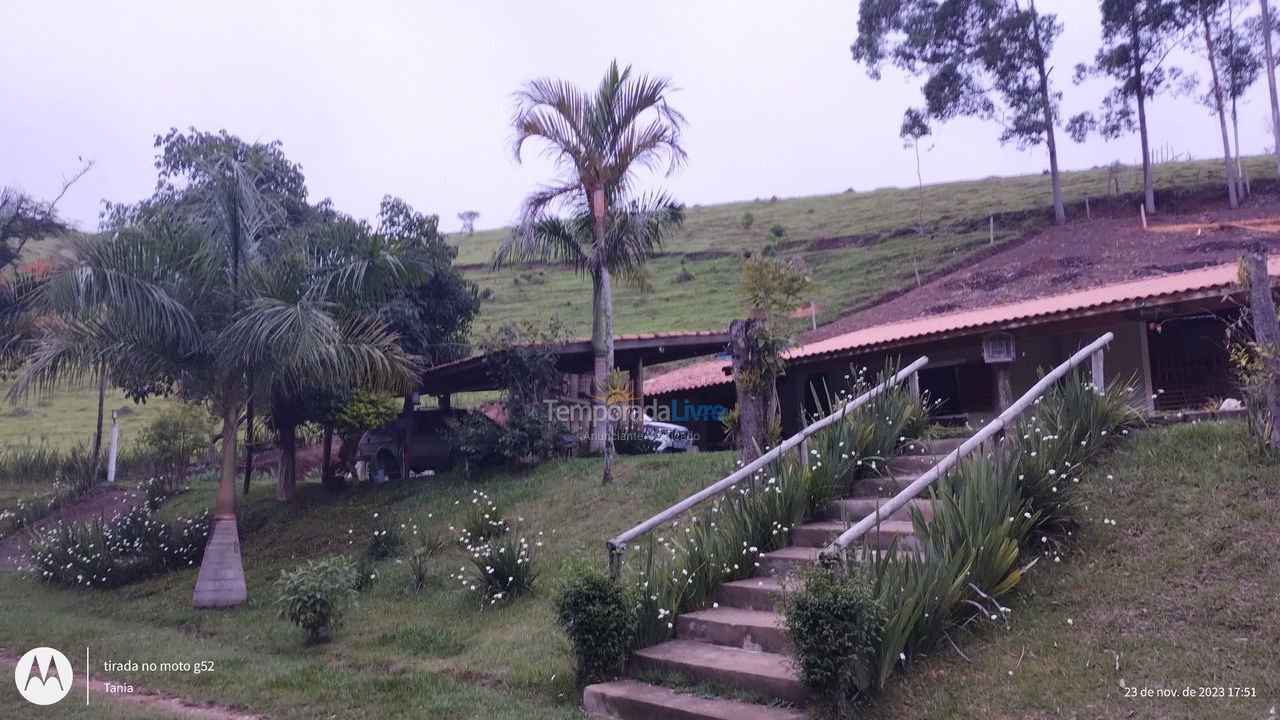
(43, 676)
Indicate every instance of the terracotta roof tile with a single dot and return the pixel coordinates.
(1222, 277)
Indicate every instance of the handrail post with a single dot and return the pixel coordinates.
(615, 561)
(1098, 379)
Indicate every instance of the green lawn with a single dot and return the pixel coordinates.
(438, 654)
(1180, 592)
(67, 417)
(849, 276)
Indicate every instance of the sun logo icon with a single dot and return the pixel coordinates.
(616, 392)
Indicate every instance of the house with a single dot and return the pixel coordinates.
(1170, 342)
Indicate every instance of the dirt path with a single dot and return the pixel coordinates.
(105, 501)
(97, 686)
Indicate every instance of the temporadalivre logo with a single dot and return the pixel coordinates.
(43, 676)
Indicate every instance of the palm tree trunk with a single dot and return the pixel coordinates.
(1232, 197)
(97, 432)
(1271, 82)
(600, 370)
(221, 579)
(1059, 212)
(328, 477)
(287, 432)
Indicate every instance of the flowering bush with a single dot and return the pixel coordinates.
(601, 623)
(387, 538)
(130, 547)
(316, 595)
(501, 569)
(481, 521)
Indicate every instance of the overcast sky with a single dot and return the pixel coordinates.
(414, 98)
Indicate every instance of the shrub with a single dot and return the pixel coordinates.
(835, 622)
(177, 437)
(316, 595)
(481, 521)
(131, 547)
(502, 569)
(386, 540)
(426, 544)
(600, 621)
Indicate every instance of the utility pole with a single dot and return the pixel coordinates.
(1271, 81)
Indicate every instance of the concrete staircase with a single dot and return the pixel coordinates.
(742, 643)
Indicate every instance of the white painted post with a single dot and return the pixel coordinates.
(913, 384)
(115, 445)
(1088, 214)
(1099, 380)
(992, 232)
(1142, 209)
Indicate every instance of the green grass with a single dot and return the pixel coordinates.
(1179, 592)
(436, 654)
(67, 417)
(848, 278)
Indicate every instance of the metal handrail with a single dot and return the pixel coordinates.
(897, 502)
(619, 544)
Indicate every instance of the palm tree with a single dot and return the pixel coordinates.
(180, 297)
(598, 141)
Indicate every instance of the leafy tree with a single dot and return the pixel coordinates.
(1137, 38)
(201, 290)
(1206, 13)
(1265, 23)
(468, 219)
(771, 287)
(747, 220)
(778, 231)
(599, 141)
(981, 58)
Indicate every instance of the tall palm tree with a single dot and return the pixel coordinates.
(598, 140)
(180, 296)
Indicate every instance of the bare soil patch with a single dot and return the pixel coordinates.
(1078, 256)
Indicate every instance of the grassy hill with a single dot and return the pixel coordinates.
(858, 246)
(1179, 591)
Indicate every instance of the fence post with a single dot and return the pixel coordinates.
(1099, 380)
(114, 449)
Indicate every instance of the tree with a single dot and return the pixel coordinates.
(771, 287)
(468, 219)
(1137, 37)
(971, 53)
(1240, 58)
(915, 127)
(1265, 22)
(635, 230)
(192, 292)
(1205, 13)
(599, 141)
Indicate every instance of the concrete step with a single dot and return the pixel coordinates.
(769, 673)
(757, 593)
(820, 534)
(909, 464)
(632, 700)
(787, 560)
(885, 486)
(938, 446)
(758, 630)
(852, 510)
